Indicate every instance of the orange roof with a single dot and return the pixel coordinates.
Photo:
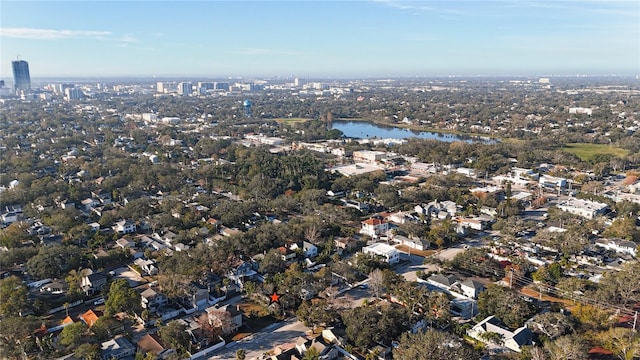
(89, 318)
(373, 221)
(67, 320)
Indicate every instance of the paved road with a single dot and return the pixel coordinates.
(409, 268)
(258, 343)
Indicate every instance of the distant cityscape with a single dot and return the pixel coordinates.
(319, 219)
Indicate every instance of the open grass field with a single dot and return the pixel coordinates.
(290, 120)
(587, 151)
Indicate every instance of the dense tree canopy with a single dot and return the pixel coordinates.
(54, 261)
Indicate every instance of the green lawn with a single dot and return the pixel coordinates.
(587, 151)
(291, 120)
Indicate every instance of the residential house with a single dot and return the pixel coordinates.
(374, 227)
(148, 267)
(513, 340)
(471, 288)
(243, 270)
(117, 348)
(89, 203)
(618, 245)
(389, 253)
(286, 253)
(442, 281)
(125, 243)
(475, 223)
(308, 249)
(358, 205)
(400, 217)
(125, 227)
(413, 243)
(94, 226)
(9, 217)
(344, 244)
(152, 300)
(225, 231)
(102, 196)
(55, 287)
(324, 351)
(151, 343)
(89, 318)
(197, 296)
(93, 283)
(228, 318)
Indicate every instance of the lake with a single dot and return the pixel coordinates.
(365, 130)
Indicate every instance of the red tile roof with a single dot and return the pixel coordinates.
(89, 317)
(374, 221)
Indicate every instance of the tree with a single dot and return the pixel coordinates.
(13, 235)
(311, 354)
(317, 312)
(376, 282)
(241, 354)
(552, 324)
(568, 347)
(72, 334)
(104, 327)
(176, 336)
(433, 345)
(621, 287)
(13, 296)
(16, 335)
(505, 304)
(54, 261)
(122, 298)
(367, 325)
(625, 228)
(88, 352)
(272, 262)
(624, 343)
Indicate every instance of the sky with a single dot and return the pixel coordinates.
(320, 39)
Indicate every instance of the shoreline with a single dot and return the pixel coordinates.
(426, 129)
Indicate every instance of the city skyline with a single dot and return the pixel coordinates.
(321, 38)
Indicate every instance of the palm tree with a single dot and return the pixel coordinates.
(241, 354)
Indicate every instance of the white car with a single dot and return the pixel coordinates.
(100, 301)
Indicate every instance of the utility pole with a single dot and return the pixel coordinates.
(510, 278)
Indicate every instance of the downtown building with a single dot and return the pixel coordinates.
(21, 77)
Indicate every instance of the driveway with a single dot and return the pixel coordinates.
(412, 264)
(260, 342)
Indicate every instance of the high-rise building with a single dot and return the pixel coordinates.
(160, 87)
(185, 88)
(73, 93)
(222, 86)
(21, 77)
(206, 85)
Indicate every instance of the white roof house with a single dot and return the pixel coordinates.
(585, 208)
(513, 340)
(390, 253)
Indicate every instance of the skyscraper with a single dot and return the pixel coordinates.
(21, 78)
(185, 88)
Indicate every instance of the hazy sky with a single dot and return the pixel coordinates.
(321, 38)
